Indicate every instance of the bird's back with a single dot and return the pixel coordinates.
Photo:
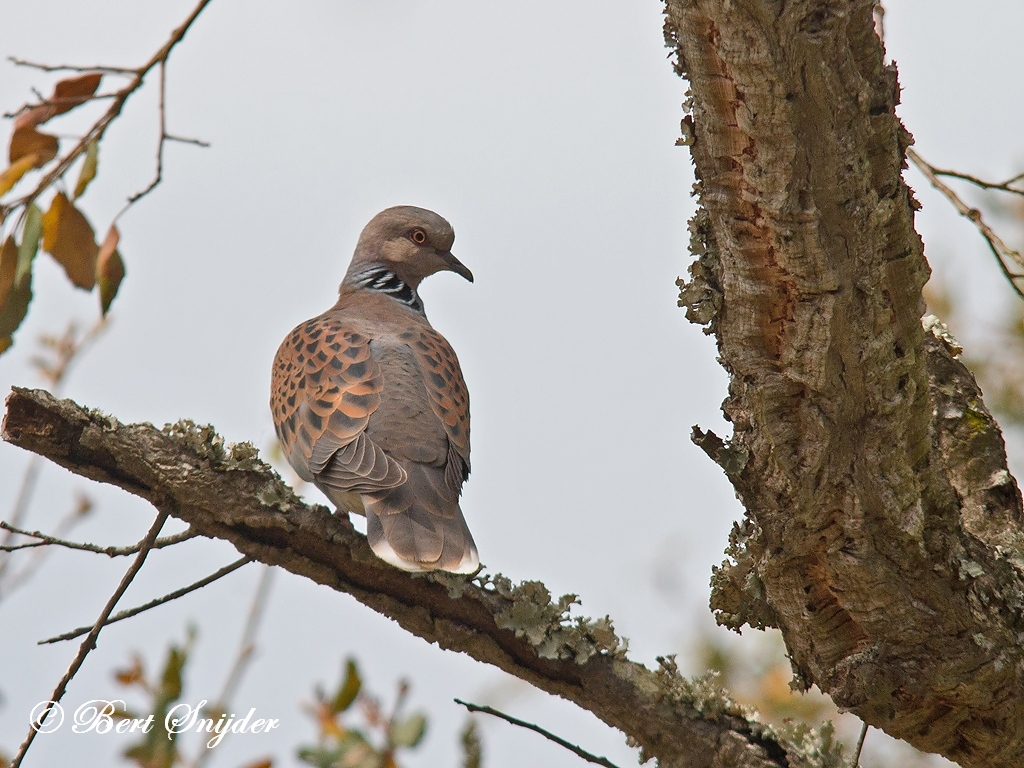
(370, 405)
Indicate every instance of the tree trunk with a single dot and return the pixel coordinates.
(882, 533)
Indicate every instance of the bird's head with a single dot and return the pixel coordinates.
(413, 242)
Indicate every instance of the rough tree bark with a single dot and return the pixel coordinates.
(228, 493)
(882, 533)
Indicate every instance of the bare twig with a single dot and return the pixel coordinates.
(546, 734)
(46, 540)
(246, 648)
(860, 746)
(159, 147)
(164, 138)
(90, 641)
(186, 140)
(95, 133)
(71, 68)
(1000, 186)
(1001, 250)
(82, 508)
(127, 614)
(67, 348)
(21, 504)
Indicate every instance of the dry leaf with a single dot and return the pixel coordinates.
(27, 141)
(19, 168)
(109, 269)
(69, 238)
(67, 94)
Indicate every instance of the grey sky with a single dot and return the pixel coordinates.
(544, 131)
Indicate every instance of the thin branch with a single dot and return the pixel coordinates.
(64, 525)
(100, 126)
(46, 540)
(68, 348)
(186, 140)
(21, 504)
(127, 614)
(246, 648)
(1001, 186)
(1000, 249)
(159, 147)
(860, 746)
(71, 68)
(230, 494)
(546, 734)
(44, 101)
(90, 641)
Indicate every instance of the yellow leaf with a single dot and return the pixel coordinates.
(109, 269)
(88, 172)
(69, 238)
(13, 175)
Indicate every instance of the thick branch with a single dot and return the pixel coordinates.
(883, 532)
(230, 494)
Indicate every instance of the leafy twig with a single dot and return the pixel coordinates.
(100, 126)
(90, 641)
(546, 734)
(127, 614)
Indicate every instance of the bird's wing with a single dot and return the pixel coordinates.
(324, 388)
(449, 397)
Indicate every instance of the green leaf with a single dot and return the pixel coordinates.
(170, 680)
(409, 731)
(14, 296)
(472, 750)
(88, 172)
(31, 234)
(109, 269)
(349, 688)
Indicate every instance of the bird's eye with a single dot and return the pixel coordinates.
(418, 236)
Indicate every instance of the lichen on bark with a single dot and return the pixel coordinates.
(882, 531)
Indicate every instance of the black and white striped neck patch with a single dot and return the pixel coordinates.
(384, 280)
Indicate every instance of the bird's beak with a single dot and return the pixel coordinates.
(455, 265)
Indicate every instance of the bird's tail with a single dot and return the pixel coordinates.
(419, 526)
